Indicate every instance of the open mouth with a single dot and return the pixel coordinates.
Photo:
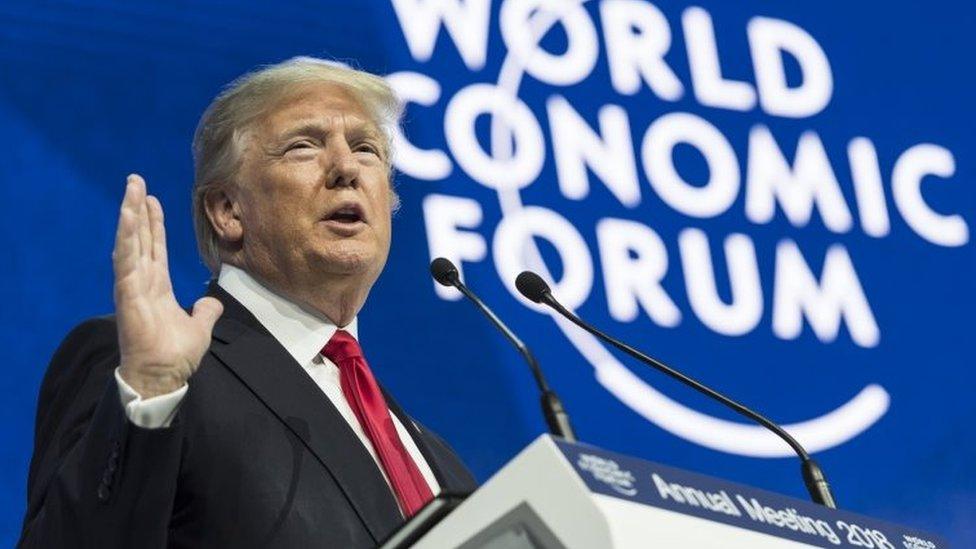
(347, 214)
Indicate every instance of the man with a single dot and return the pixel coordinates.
(253, 420)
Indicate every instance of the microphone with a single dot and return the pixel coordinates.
(445, 273)
(534, 288)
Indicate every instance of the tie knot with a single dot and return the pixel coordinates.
(342, 347)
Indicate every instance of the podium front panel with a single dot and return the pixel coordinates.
(647, 486)
(559, 495)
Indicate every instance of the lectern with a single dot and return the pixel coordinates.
(559, 495)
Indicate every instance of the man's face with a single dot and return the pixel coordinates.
(314, 191)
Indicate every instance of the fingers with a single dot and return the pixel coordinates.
(157, 230)
(142, 211)
(141, 232)
(126, 241)
(206, 311)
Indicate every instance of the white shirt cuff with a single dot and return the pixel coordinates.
(150, 413)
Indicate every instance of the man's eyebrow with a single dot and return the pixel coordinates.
(365, 129)
(308, 128)
(355, 128)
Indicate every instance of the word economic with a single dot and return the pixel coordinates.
(599, 147)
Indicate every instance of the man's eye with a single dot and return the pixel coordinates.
(367, 148)
(298, 145)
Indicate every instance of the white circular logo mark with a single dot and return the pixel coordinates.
(819, 433)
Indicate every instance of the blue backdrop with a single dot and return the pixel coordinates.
(775, 197)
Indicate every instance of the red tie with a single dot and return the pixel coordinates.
(367, 402)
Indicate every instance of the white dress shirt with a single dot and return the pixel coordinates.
(303, 335)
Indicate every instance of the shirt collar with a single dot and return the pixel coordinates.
(300, 332)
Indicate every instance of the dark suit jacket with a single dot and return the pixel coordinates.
(256, 457)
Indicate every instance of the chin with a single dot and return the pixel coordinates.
(349, 261)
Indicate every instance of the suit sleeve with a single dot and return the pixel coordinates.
(96, 479)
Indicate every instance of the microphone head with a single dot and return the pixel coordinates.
(532, 286)
(444, 272)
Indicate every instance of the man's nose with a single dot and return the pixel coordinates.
(344, 171)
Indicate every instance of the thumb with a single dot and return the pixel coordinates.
(206, 311)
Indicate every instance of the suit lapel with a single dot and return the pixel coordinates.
(260, 362)
(441, 463)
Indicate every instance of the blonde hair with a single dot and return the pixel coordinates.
(218, 142)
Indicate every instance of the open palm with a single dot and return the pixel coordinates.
(159, 343)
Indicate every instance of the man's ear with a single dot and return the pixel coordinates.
(224, 214)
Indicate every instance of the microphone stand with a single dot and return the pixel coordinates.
(445, 273)
(535, 289)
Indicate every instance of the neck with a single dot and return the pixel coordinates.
(336, 298)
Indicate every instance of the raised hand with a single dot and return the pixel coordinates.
(159, 343)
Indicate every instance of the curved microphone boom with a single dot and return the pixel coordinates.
(534, 288)
(445, 273)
